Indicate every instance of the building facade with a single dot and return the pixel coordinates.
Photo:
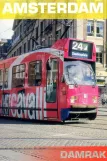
(29, 34)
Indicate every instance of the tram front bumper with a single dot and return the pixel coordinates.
(81, 112)
(74, 113)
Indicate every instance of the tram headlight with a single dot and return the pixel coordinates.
(94, 99)
(73, 99)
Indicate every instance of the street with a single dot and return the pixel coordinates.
(17, 136)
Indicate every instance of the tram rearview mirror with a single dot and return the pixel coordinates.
(62, 79)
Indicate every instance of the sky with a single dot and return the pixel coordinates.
(6, 29)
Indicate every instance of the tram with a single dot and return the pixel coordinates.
(56, 83)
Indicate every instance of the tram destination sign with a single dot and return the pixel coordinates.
(80, 49)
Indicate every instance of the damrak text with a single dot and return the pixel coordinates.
(83, 154)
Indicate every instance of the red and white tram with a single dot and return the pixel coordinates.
(56, 83)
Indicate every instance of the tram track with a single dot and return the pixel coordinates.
(25, 135)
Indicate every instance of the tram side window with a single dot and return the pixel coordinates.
(35, 73)
(6, 78)
(1, 78)
(51, 88)
(18, 76)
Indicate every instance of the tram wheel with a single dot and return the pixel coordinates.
(92, 117)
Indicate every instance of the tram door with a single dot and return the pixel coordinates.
(52, 68)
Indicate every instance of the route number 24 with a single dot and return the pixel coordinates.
(79, 46)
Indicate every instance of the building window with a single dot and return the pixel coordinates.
(36, 32)
(21, 29)
(28, 45)
(99, 29)
(58, 34)
(20, 50)
(43, 42)
(15, 53)
(14, 35)
(50, 40)
(90, 28)
(100, 57)
(17, 32)
(35, 73)
(33, 43)
(67, 34)
(41, 28)
(18, 76)
(24, 47)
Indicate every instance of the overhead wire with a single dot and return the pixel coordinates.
(5, 31)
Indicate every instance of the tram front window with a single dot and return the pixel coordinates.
(80, 73)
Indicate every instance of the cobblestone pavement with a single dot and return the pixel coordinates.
(15, 134)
